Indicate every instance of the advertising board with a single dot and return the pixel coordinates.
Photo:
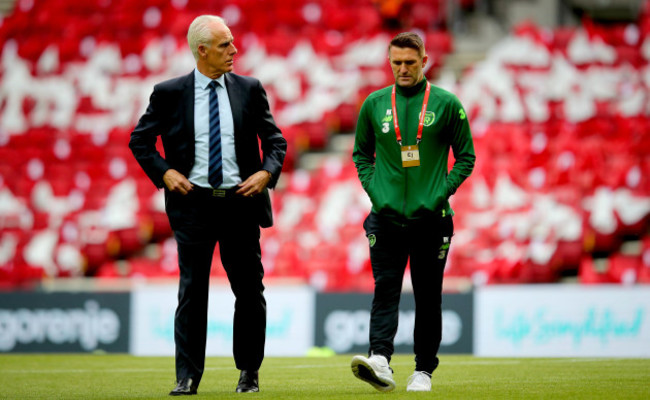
(40, 322)
(342, 323)
(562, 321)
(289, 327)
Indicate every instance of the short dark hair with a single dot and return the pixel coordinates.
(410, 40)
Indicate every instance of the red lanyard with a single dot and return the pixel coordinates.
(421, 124)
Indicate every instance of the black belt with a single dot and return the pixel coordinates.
(223, 193)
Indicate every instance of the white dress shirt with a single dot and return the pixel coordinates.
(199, 173)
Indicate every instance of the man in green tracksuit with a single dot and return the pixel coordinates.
(401, 151)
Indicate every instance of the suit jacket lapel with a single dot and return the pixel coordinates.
(235, 103)
(188, 102)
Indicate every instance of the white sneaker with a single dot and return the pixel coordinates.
(375, 371)
(420, 381)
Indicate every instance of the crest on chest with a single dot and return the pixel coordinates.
(386, 121)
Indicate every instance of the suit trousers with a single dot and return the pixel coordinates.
(199, 222)
(426, 243)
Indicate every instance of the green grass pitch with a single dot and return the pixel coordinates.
(54, 376)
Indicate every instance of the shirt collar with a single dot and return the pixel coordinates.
(413, 90)
(203, 81)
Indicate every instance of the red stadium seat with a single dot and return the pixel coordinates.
(594, 271)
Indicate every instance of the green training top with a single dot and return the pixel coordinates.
(412, 192)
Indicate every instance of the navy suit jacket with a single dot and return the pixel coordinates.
(170, 115)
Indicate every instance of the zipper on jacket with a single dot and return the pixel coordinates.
(406, 126)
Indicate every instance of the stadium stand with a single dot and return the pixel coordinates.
(560, 120)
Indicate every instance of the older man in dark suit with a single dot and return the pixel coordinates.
(216, 192)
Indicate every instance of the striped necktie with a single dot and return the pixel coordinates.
(215, 174)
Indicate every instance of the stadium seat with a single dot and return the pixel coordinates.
(594, 271)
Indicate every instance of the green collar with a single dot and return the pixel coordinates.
(413, 90)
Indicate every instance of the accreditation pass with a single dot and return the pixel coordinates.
(410, 156)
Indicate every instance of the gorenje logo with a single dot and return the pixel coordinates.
(345, 329)
(88, 326)
(343, 319)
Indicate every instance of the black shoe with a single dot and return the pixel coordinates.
(248, 382)
(184, 387)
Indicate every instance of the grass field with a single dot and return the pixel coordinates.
(458, 377)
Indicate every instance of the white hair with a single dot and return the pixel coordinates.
(199, 32)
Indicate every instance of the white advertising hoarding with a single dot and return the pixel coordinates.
(562, 321)
(289, 326)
